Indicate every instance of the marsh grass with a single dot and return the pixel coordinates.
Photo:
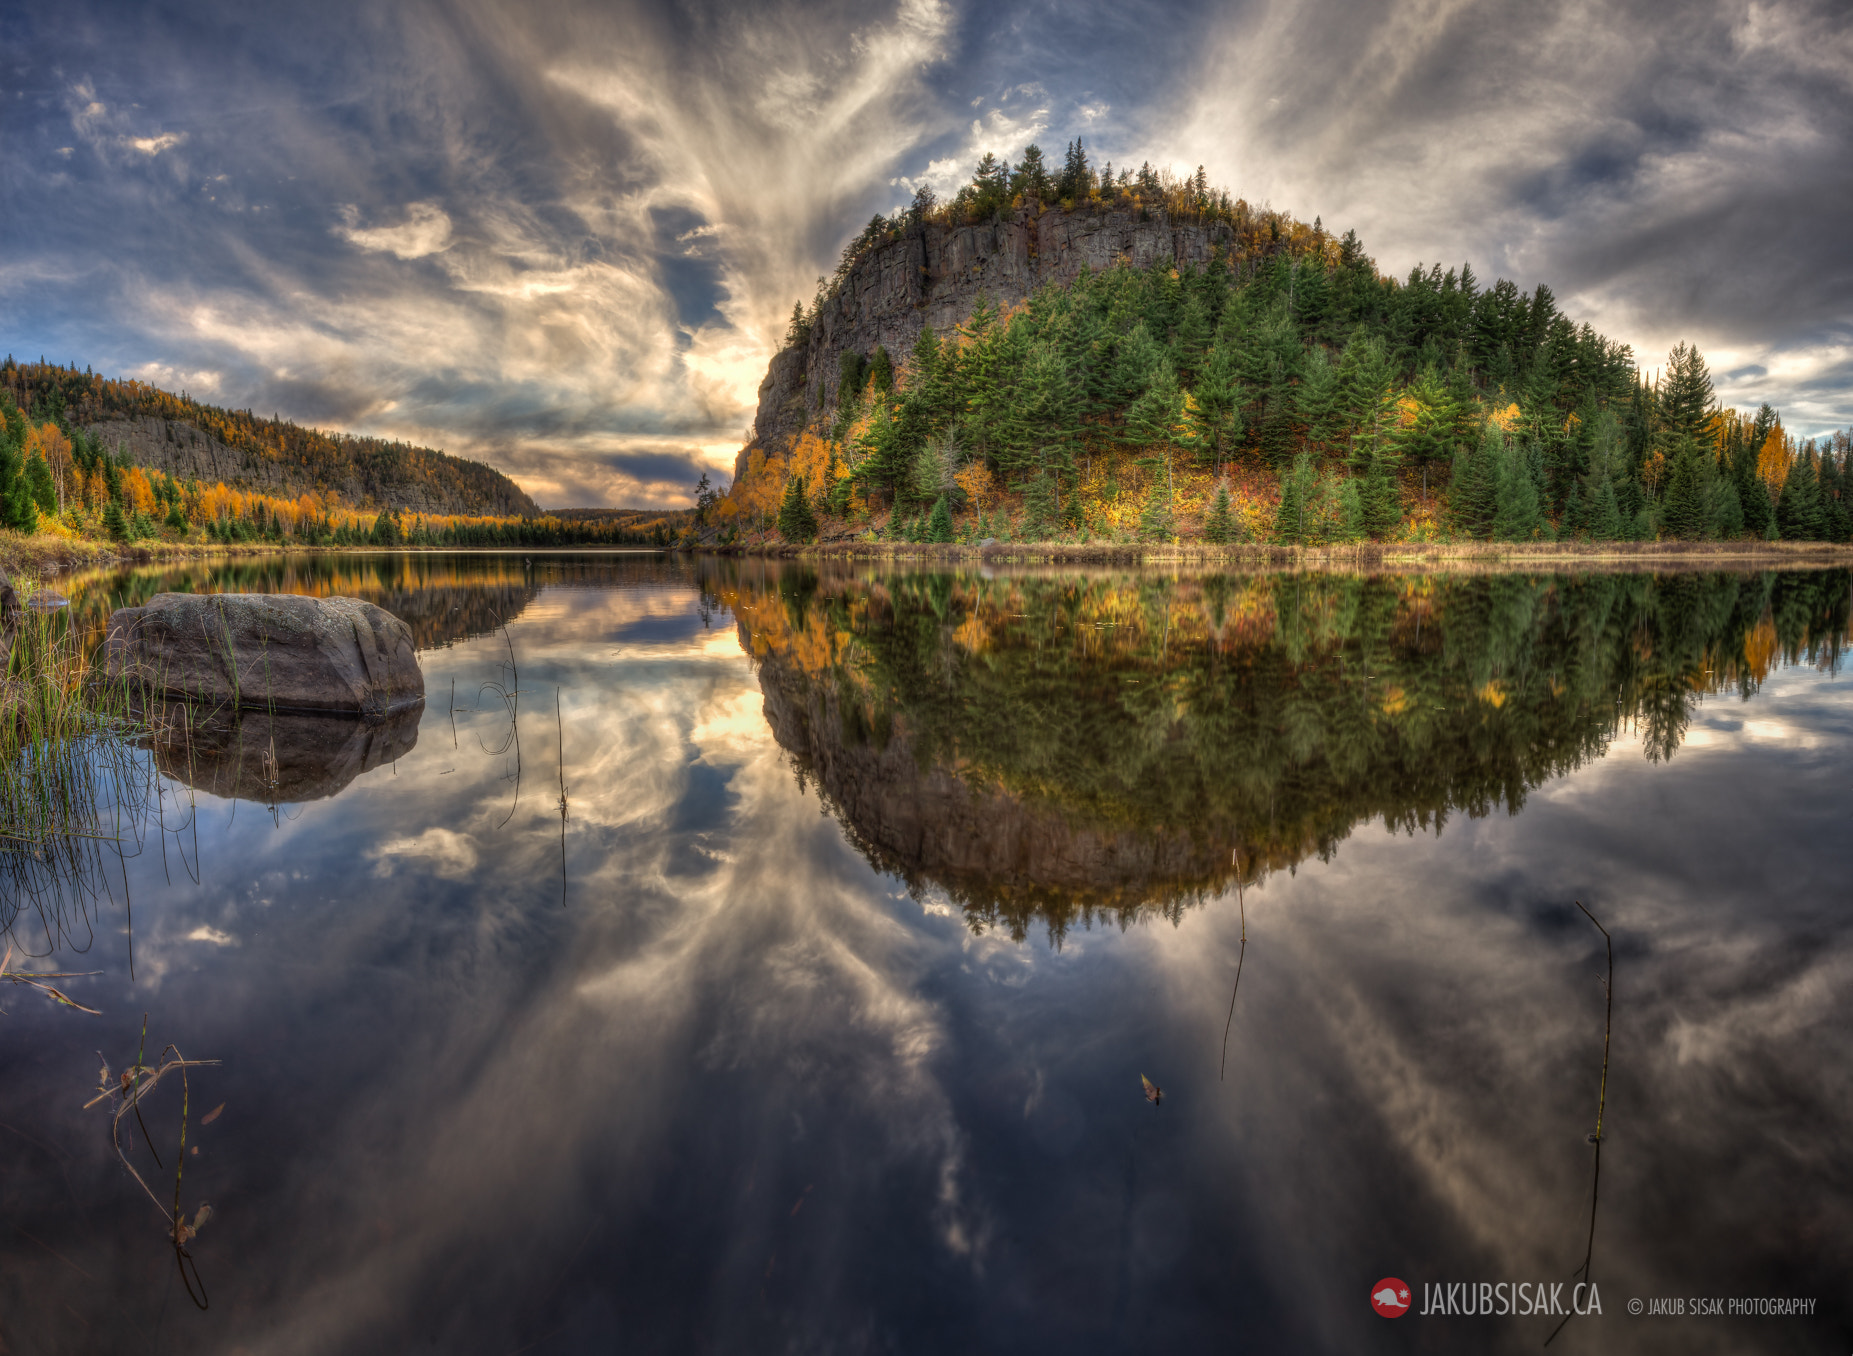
(75, 791)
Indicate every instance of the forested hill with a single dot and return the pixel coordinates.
(1090, 354)
(194, 441)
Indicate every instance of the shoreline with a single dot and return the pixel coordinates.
(47, 556)
(1500, 556)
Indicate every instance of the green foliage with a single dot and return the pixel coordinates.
(939, 524)
(1219, 525)
(795, 520)
(1297, 487)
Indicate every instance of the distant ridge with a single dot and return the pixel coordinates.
(191, 440)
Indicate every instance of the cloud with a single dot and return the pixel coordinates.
(425, 230)
(446, 854)
(576, 231)
(1668, 178)
(155, 145)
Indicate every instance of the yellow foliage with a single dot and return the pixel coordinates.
(1493, 694)
(1508, 418)
(50, 525)
(1773, 460)
(48, 442)
(975, 480)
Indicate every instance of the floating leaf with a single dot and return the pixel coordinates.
(212, 1115)
(1153, 1093)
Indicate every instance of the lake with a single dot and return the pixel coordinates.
(738, 956)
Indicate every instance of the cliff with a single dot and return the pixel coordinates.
(933, 275)
(182, 449)
(192, 440)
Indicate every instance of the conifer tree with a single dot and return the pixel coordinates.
(1156, 522)
(1685, 508)
(1219, 525)
(795, 520)
(939, 525)
(1517, 514)
(1473, 498)
(1296, 514)
(1798, 511)
(881, 371)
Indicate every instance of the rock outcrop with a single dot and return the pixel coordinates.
(933, 275)
(183, 450)
(279, 653)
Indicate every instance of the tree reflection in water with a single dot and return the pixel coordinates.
(1068, 748)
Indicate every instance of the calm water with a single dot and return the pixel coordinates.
(818, 1022)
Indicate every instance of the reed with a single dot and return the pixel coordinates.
(73, 785)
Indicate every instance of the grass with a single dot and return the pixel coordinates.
(73, 785)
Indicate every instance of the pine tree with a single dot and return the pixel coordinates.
(1518, 515)
(1031, 176)
(1295, 520)
(1155, 519)
(1798, 511)
(939, 526)
(1219, 526)
(881, 371)
(795, 520)
(1473, 498)
(1041, 501)
(1685, 508)
(113, 522)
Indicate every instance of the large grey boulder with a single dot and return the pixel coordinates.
(267, 651)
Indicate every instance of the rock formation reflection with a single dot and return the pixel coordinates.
(275, 759)
(1064, 747)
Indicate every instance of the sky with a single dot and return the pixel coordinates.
(565, 238)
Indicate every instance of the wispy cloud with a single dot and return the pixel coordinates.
(565, 237)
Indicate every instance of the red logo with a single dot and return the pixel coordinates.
(1390, 1297)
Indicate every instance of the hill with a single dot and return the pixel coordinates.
(1093, 356)
(193, 441)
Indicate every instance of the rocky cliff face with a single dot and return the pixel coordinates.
(183, 450)
(934, 274)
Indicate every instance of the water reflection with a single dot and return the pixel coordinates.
(254, 755)
(1061, 747)
(745, 1092)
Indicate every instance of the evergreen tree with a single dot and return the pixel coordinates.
(881, 371)
(1798, 511)
(1219, 525)
(939, 526)
(1156, 522)
(39, 486)
(1031, 177)
(1041, 502)
(795, 520)
(1473, 499)
(113, 522)
(1518, 515)
(1296, 515)
(1686, 507)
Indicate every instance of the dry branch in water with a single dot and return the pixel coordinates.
(125, 1092)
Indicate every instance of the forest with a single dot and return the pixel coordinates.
(1215, 728)
(57, 480)
(1287, 393)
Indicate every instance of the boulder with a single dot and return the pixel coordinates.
(276, 652)
(273, 759)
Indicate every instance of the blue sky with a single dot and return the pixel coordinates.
(564, 238)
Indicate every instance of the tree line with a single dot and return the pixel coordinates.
(57, 479)
(1285, 391)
